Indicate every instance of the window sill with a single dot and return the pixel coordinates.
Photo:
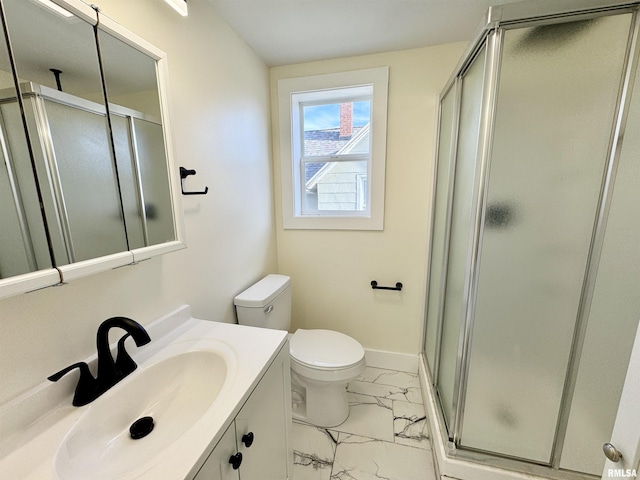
(332, 223)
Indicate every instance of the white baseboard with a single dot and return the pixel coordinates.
(403, 362)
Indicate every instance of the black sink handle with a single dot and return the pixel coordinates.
(82, 366)
(85, 390)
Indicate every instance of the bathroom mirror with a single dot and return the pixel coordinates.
(60, 80)
(23, 241)
(107, 197)
(136, 122)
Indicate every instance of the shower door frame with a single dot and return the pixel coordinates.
(491, 34)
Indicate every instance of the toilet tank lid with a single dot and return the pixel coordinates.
(260, 294)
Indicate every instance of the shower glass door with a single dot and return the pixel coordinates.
(88, 180)
(446, 137)
(614, 313)
(456, 279)
(558, 90)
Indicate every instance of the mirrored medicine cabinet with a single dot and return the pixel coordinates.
(86, 174)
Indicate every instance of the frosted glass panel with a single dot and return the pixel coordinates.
(553, 123)
(131, 81)
(16, 256)
(613, 319)
(88, 179)
(155, 181)
(129, 190)
(439, 222)
(460, 228)
(18, 155)
(58, 55)
(23, 243)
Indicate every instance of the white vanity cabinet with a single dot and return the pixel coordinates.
(260, 432)
(217, 466)
(206, 384)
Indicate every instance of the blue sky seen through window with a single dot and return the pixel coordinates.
(322, 117)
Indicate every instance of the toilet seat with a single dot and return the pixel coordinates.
(325, 355)
(325, 349)
(327, 375)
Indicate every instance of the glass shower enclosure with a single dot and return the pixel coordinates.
(532, 295)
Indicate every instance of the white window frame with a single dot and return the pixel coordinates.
(362, 190)
(292, 93)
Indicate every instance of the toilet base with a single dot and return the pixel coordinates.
(323, 404)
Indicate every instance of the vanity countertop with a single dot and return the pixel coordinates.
(34, 425)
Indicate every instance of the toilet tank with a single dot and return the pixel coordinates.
(266, 304)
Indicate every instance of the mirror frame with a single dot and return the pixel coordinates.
(61, 275)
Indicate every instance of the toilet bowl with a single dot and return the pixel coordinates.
(323, 362)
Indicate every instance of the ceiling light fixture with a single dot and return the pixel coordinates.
(179, 6)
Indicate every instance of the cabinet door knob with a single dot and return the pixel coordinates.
(247, 439)
(236, 460)
(611, 452)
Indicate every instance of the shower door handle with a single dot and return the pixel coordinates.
(611, 452)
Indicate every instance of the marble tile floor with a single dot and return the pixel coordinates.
(385, 436)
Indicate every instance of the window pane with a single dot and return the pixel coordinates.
(336, 128)
(335, 186)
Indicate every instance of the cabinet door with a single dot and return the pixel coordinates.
(267, 416)
(217, 466)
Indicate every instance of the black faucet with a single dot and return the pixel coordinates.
(110, 372)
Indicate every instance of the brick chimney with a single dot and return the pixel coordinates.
(346, 120)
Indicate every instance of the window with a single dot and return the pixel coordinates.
(333, 147)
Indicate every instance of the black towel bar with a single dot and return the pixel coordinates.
(375, 286)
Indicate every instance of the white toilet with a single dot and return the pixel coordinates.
(323, 362)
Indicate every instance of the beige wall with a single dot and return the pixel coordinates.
(331, 270)
(219, 93)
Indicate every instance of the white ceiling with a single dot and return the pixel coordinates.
(293, 31)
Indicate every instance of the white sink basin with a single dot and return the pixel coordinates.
(176, 391)
(193, 379)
